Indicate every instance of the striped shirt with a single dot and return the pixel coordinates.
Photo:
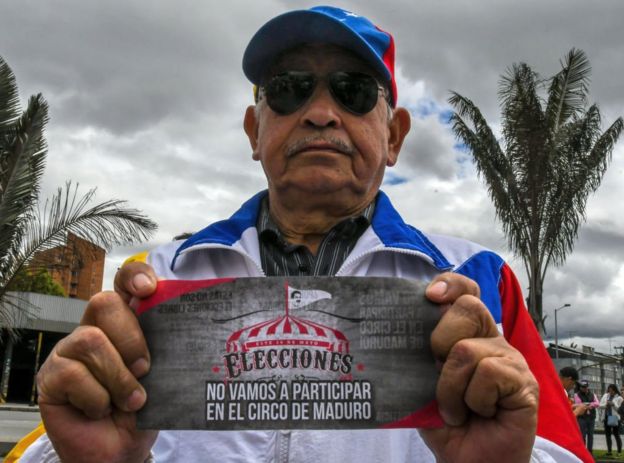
(280, 258)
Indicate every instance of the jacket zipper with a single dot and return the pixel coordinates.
(282, 446)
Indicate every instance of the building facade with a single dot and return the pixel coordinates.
(78, 267)
(598, 368)
(42, 321)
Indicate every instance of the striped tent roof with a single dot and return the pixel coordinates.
(287, 330)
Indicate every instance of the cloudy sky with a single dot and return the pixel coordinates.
(147, 99)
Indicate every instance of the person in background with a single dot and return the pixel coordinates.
(587, 420)
(569, 377)
(609, 404)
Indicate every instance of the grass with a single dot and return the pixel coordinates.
(599, 455)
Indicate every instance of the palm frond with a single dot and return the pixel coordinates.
(493, 165)
(106, 224)
(9, 97)
(598, 158)
(14, 308)
(567, 94)
(24, 152)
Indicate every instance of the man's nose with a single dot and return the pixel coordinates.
(321, 110)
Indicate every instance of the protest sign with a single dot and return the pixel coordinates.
(289, 353)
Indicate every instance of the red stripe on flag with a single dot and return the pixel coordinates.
(555, 421)
(428, 417)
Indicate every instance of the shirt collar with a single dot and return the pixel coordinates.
(346, 229)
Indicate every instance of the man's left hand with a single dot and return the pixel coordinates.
(486, 393)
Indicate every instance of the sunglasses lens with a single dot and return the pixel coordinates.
(286, 92)
(356, 91)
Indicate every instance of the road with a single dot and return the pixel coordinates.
(15, 423)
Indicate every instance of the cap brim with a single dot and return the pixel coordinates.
(296, 28)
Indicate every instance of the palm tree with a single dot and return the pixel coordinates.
(554, 156)
(25, 228)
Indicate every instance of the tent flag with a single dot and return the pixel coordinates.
(299, 298)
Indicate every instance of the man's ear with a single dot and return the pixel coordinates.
(251, 129)
(398, 128)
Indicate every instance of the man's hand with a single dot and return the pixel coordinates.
(88, 388)
(579, 409)
(486, 393)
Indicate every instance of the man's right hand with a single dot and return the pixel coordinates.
(88, 387)
(579, 409)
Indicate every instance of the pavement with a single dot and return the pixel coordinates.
(16, 420)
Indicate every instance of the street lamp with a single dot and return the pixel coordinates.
(556, 334)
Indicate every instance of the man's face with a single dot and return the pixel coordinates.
(567, 382)
(322, 151)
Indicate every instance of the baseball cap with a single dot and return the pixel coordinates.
(321, 24)
(584, 383)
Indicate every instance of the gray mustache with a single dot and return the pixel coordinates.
(338, 144)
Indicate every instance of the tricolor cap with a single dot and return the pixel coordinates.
(321, 24)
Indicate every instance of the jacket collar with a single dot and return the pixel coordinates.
(387, 224)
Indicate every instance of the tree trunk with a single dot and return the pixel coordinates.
(535, 300)
(6, 370)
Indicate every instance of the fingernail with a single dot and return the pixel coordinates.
(141, 281)
(450, 419)
(438, 289)
(136, 400)
(140, 367)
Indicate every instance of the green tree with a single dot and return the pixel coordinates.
(553, 156)
(37, 281)
(25, 227)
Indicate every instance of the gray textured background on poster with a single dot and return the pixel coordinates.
(223, 357)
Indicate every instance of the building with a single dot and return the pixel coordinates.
(42, 321)
(598, 368)
(78, 267)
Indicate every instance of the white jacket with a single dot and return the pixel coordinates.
(617, 401)
(389, 247)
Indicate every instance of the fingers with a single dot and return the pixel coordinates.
(96, 367)
(446, 288)
(108, 312)
(86, 371)
(481, 373)
(68, 387)
(484, 376)
(466, 318)
(135, 279)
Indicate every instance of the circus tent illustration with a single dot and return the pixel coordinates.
(289, 330)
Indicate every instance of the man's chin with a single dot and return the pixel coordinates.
(319, 187)
(326, 195)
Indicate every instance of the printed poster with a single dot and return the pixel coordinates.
(289, 353)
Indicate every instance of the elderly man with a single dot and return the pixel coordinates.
(324, 128)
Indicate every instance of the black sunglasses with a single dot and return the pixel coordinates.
(354, 91)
